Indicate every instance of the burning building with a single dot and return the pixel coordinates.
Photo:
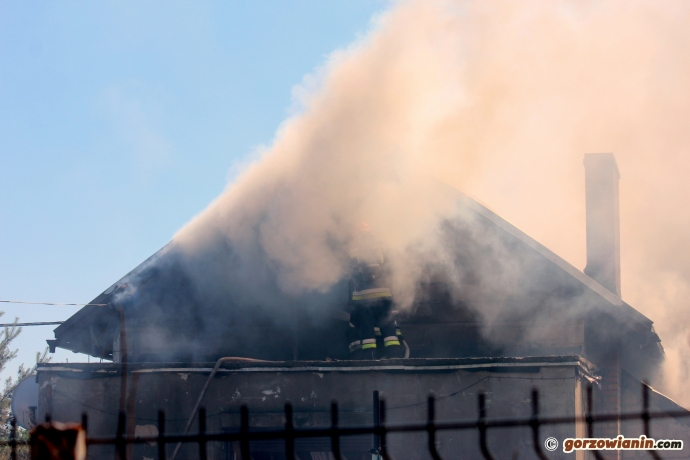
(508, 315)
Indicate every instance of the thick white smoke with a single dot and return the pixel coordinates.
(357, 152)
(500, 99)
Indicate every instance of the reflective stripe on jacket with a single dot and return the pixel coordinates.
(367, 294)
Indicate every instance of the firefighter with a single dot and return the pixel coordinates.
(373, 332)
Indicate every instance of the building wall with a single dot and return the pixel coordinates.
(68, 390)
(666, 428)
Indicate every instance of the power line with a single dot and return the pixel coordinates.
(58, 304)
(31, 324)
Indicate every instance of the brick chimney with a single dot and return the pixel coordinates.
(603, 221)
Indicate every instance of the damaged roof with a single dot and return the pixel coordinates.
(93, 328)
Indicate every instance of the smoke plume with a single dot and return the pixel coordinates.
(500, 99)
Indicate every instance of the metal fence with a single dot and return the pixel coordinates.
(380, 430)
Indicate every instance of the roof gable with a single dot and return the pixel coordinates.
(538, 280)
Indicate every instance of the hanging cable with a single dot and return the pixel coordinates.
(31, 324)
(54, 303)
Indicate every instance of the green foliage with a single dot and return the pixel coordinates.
(7, 335)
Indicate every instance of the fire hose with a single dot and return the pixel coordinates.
(205, 389)
(213, 374)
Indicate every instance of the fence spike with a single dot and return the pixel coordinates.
(481, 425)
(377, 421)
(645, 417)
(335, 438)
(431, 426)
(13, 438)
(161, 435)
(645, 409)
(382, 429)
(121, 446)
(244, 431)
(589, 419)
(289, 433)
(202, 433)
(534, 423)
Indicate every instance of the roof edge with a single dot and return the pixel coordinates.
(593, 285)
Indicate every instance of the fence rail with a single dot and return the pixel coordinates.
(380, 429)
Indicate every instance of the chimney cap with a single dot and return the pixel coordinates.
(600, 159)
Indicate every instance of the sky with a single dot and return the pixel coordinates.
(120, 121)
